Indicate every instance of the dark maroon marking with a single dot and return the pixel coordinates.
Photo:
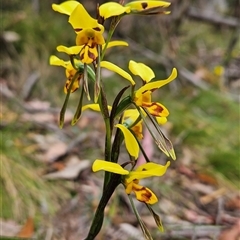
(147, 194)
(78, 29)
(81, 55)
(152, 90)
(159, 108)
(91, 55)
(144, 5)
(93, 45)
(97, 29)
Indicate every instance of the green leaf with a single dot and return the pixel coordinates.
(115, 105)
(124, 104)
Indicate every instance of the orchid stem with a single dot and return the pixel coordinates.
(99, 214)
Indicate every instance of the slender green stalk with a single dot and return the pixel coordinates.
(99, 214)
(108, 145)
(113, 26)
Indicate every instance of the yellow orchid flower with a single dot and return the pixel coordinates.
(142, 97)
(89, 31)
(148, 7)
(131, 178)
(70, 72)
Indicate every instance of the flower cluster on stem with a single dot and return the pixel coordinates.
(126, 117)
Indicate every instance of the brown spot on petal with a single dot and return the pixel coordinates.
(81, 55)
(154, 108)
(144, 5)
(152, 90)
(146, 195)
(91, 55)
(78, 29)
(97, 29)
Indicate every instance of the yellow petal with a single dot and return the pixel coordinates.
(112, 67)
(138, 6)
(115, 44)
(130, 141)
(99, 165)
(142, 70)
(157, 84)
(69, 50)
(94, 107)
(130, 116)
(128, 187)
(161, 120)
(54, 60)
(65, 7)
(80, 19)
(111, 9)
(148, 170)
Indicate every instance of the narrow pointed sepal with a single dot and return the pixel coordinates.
(79, 109)
(64, 107)
(142, 225)
(85, 81)
(156, 217)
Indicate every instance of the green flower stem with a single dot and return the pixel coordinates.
(142, 150)
(113, 26)
(110, 33)
(104, 109)
(99, 214)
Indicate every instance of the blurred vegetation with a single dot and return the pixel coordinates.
(205, 120)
